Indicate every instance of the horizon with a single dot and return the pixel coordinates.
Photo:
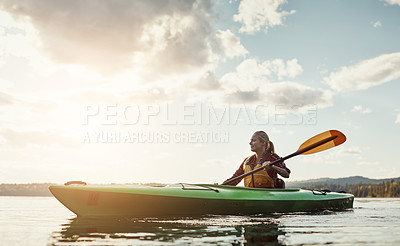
(169, 92)
(142, 183)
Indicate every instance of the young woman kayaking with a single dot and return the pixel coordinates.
(268, 177)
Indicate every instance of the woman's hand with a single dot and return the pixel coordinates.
(267, 165)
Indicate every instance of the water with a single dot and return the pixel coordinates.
(44, 221)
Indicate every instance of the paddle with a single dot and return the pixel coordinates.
(318, 143)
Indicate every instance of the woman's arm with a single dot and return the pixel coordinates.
(238, 172)
(281, 171)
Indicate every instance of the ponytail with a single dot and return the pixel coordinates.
(271, 147)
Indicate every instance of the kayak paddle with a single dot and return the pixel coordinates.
(318, 143)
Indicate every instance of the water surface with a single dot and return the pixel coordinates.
(44, 221)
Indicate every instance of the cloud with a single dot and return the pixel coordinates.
(250, 74)
(230, 44)
(94, 97)
(286, 95)
(376, 24)
(42, 106)
(207, 82)
(255, 82)
(34, 138)
(38, 106)
(110, 36)
(150, 95)
(257, 14)
(17, 39)
(360, 109)
(244, 96)
(293, 95)
(6, 99)
(392, 2)
(366, 74)
(397, 119)
(350, 151)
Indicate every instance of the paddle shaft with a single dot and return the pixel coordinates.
(298, 152)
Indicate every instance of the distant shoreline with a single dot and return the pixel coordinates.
(37, 189)
(356, 185)
(34, 189)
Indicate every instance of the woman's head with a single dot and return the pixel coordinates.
(260, 141)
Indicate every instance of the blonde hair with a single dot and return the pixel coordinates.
(264, 137)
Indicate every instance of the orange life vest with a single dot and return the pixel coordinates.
(259, 179)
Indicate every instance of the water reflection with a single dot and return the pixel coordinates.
(229, 230)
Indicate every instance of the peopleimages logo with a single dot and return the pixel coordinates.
(183, 123)
(198, 114)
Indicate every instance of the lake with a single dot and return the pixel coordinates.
(44, 221)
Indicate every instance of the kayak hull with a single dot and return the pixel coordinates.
(190, 200)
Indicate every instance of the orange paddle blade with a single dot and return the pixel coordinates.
(336, 136)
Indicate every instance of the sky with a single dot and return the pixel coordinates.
(172, 91)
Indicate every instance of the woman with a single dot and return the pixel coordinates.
(265, 178)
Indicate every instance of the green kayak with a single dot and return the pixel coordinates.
(192, 199)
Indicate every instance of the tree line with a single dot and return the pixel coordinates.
(38, 189)
(384, 189)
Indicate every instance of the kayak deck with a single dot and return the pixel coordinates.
(192, 199)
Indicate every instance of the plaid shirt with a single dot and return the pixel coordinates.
(252, 161)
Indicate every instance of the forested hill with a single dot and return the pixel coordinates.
(34, 189)
(358, 186)
(38, 189)
(339, 181)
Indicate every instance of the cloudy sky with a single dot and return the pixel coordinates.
(171, 91)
